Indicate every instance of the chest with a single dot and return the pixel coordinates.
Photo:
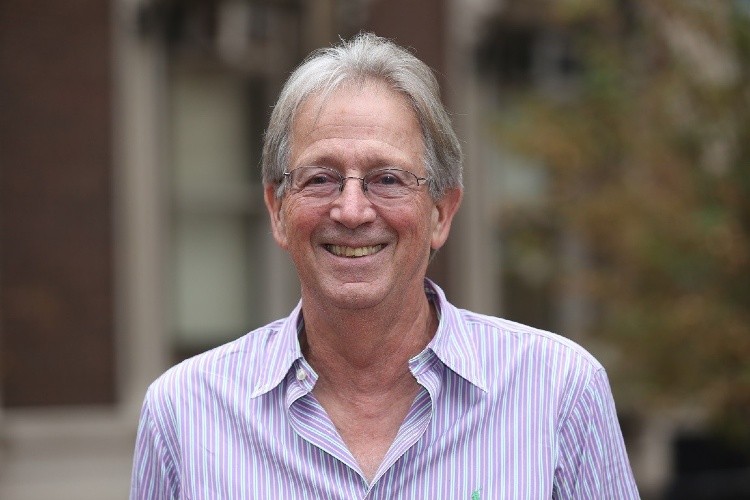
(438, 451)
(368, 428)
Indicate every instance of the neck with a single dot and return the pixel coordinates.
(366, 351)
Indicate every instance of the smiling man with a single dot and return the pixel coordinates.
(376, 386)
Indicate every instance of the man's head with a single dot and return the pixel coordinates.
(362, 59)
(362, 177)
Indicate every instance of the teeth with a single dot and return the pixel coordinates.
(343, 251)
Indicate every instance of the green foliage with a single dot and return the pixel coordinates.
(650, 163)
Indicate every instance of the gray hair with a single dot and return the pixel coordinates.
(367, 57)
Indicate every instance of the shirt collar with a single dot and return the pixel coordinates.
(452, 344)
(280, 352)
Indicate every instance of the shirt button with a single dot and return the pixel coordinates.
(301, 375)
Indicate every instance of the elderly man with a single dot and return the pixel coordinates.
(375, 386)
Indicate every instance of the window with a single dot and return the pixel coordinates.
(218, 223)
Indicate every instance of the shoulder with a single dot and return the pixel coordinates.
(533, 365)
(519, 359)
(498, 353)
(204, 373)
(525, 339)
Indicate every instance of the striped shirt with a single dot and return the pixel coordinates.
(504, 411)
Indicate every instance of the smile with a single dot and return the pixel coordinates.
(343, 251)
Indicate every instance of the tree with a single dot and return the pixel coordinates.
(649, 159)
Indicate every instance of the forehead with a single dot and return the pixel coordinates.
(356, 120)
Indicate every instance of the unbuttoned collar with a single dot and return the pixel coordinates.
(452, 344)
(280, 352)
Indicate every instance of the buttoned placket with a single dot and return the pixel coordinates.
(300, 383)
(302, 407)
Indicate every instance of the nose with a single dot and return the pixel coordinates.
(352, 208)
(360, 179)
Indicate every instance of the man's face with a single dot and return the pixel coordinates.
(353, 253)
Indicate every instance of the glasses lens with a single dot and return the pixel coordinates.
(391, 183)
(316, 182)
(324, 184)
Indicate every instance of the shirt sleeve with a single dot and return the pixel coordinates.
(155, 475)
(593, 462)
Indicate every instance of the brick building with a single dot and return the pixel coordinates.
(131, 220)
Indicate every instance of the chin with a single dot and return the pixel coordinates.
(353, 296)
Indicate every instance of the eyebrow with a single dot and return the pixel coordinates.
(370, 162)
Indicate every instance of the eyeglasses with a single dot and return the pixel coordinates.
(383, 186)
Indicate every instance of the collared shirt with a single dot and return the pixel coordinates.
(504, 411)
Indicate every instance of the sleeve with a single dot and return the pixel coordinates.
(154, 475)
(592, 461)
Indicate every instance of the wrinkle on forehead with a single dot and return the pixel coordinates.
(356, 87)
(320, 100)
(329, 117)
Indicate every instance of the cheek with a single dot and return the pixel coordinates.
(412, 223)
(299, 221)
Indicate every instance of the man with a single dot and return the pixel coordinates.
(375, 386)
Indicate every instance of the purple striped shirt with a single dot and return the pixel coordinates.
(504, 412)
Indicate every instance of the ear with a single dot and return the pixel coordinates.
(442, 216)
(273, 205)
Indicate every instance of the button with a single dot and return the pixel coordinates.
(301, 375)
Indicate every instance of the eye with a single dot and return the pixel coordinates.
(321, 178)
(316, 178)
(386, 178)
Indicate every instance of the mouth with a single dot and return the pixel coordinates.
(353, 252)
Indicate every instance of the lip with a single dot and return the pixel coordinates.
(353, 252)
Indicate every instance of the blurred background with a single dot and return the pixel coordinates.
(607, 199)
